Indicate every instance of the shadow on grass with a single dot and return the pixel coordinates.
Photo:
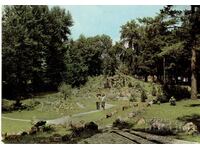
(194, 118)
(193, 105)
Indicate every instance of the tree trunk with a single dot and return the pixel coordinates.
(145, 78)
(164, 73)
(194, 75)
(193, 59)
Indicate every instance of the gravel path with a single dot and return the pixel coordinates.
(14, 119)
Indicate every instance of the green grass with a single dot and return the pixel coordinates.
(10, 126)
(86, 96)
(172, 113)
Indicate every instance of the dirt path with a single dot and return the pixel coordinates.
(14, 119)
(80, 105)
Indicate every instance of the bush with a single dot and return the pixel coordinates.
(138, 86)
(132, 98)
(177, 91)
(7, 105)
(143, 96)
(130, 85)
(65, 89)
(162, 98)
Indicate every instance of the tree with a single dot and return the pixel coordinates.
(58, 30)
(32, 40)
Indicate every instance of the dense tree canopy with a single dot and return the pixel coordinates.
(37, 53)
(33, 40)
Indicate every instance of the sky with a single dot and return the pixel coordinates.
(102, 19)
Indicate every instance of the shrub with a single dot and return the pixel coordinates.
(143, 96)
(177, 91)
(162, 98)
(132, 98)
(130, 84)
(65, 89)
(138, 86)
(7, 105)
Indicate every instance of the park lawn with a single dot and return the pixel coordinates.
(10, 126)
(173, 113)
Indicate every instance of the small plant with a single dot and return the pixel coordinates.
(143, 96)
(130, 85)
(65, 90)
(132, 98)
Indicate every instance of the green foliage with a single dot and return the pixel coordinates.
(132, 97)
(143, 96)
(179, 92)
(32, 54)
(65, 89)
(153, 92)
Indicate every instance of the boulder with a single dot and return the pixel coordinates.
(160, 128)
(141, 121)
(33, 130)
(56, 138)
(41, 128)
(149, 104)
(66, 137)
(108, 115)
(131, 115)
(24, 133)
(91, 126)
(40, 123)
(190, 128)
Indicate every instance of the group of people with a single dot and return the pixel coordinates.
(101, 100)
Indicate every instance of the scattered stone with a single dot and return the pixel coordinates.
(125, 107)
(160, 128)
(13, 137)
(66, 138)
(141, 121)
(33, 130)
(109, 115)
(24, 133)
(40, 123)
(91, 126)
(76, 125)
(56, 138)
(149, 104)
(155, 101)
(135, 105)
(41, 128)
(190, 128)
(131, 115)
